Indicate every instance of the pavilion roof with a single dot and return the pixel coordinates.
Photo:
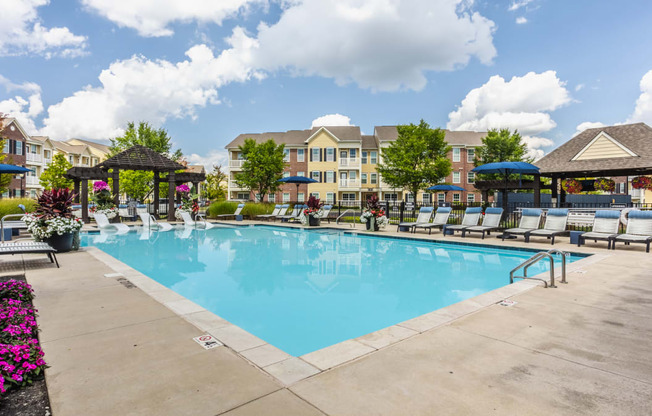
(139, 157)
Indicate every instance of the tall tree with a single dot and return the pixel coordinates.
(138, 184)
(52, 177)
(262, 167)
(213, 188)
(416, 159)
(501, 146)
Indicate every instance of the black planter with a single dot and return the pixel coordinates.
(313, 221)
(372, 221)
(61, 243)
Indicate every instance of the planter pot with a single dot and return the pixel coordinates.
(313, 221)
(372, 225)
(61, 243)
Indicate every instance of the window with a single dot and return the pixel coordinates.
(300, 197)
(374, 178)
(441, 197)
(330, 177)
(470, 155)
(470, 198)
(425, 197)
(409, 197)
(33, 148)
(286, 197)
(456, 154)
(330, 197)
(257, 196)
(456, 197)
(343, 154)
(243, 196)
(301, 173)
(240, 156)
(364, 158)
(330, 154)
(315, 194)
(19, 147)
(6, 148)
(470, 177)
(286, 174)
(373, 156)
(301, 155)
(620, 188)
(316, 175)
(363, 178)
(352, 153)
(456, 177)
(390, 196)
(353, 174)
(271, 198)
(315, 154)
(286, 155)
(32, 193)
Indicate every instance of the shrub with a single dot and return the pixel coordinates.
(260, 208)
(218, 208)
(10, 206)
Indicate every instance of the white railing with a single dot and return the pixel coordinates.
(234, 185)
(47, 161)
(348, 162)
(349, 183)
(34, 157)
(31, 180)
(385, 185)
(236, 163)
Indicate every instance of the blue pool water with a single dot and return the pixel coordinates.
(302, 290)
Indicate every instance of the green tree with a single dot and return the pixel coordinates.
(213, 188)
(416, 159)
(52, 177)
(262, 167)
(138, 184)
(501, 146)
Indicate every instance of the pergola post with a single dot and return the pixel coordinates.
(84, 200)
(157, 180)
(171, 188)
(116, 186)
(195, 186)
(537, 191)
(554, 190)
(76, 191)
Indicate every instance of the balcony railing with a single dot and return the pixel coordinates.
(234, 185)
(347, 162)
(349, 183)
(32, 180)
(47, 161)
(34, 157)
(236, 164)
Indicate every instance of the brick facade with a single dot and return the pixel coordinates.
(15, 151)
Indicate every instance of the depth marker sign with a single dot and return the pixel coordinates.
(207, 341)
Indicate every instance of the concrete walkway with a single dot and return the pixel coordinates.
(580, 349)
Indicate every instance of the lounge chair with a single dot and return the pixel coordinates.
(294, 215)
(284, 210)
(141, 208)
(639, 229)
(325, 215)
(605, 228)
(123, 212)
(238, 210)
(104, 224)
(530, 219)
(425, 213)
(471, 218)
(150, 222)
(275, 212)
(31, 247)
(441, 219)
(189, 222)
(490, 222)
(556, 220)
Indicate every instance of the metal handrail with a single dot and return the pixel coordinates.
(563, 255)
(2, 224)
(337, 221)
(534, 259)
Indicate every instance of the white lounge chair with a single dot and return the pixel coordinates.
(294, 215)
(104, 224)
(238, 210)
(490, 222)
(325, 215)
(471, 218)
(123, 212)
(639, 229)
(282, 212)
(275, 212)
(530, 219)
(189, 222)
(556, 221)
(605, 228)
(424, 216)
(441, 218)
(150, 223)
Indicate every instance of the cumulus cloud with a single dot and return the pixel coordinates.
(23, 108)
(643, 109)
(587, 125)
(212, 158)
(381, 45)
(153, 17)
(522, 103)
(21, 32)
(331, 120)
(521, 20)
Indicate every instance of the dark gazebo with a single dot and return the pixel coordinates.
(135, 158)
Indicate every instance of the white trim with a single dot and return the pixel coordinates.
(606, 136)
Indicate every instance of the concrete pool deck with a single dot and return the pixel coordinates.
(582, 348)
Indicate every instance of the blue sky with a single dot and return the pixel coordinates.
(210, 70)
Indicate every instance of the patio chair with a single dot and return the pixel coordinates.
(149, 222)
(294, 215)
(639, 230)
(238, 210)
(605, 228)
(556, 221)
(441, 219)
(277, 210)
(325, 216)
(471, 218)
(425, 213)
(530, 219)
(123, 212)
(284, 210)
(490, 222)
(189, 222)
(31, 247)
(104, 224)
(141, 208)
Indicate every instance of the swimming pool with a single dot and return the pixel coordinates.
(303, 290)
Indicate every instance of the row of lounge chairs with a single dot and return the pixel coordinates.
(280, 213)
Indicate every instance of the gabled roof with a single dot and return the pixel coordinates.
(69, 148)
(141, 158)
(102, 147)
(369, 142)
(342, 133)
(6, 121)
(288, 138)
(636, 138)
(453, 138)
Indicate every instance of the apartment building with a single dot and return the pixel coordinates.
(15, 141)
(344, 163)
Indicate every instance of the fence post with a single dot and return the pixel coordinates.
(400, 219)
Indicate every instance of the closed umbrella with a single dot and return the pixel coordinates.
(298, 180)
(507, 168)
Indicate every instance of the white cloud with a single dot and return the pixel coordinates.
(21, 32)
(24, 109)
(523, 103)
(517, 4)
(141, 89)
(643, 109)
(331, 120)
(587, 125)
(153, 17)
(579, 87)
(382, 45)
(213, 157)
(521, 20)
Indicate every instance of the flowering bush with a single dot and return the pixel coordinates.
(374, 211)
(642, 182)
(183, 189)
(572, 186)
(315, 210)
(14, 289)
(100, 186)
(44, 228)
(111, 212)
(604, 185)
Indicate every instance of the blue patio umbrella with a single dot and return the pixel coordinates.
(298, 180)
(445, 188)
(507, 168)
(4, 168)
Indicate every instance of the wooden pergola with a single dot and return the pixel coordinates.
(135, 158)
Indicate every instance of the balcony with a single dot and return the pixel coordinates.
(32, 181)
(384, 185)
(47, 161)
(236, 164)
(352, 163)
(34, 157)
(233, 185)
(349, 183)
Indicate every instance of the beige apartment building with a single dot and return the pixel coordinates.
(343, 162)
